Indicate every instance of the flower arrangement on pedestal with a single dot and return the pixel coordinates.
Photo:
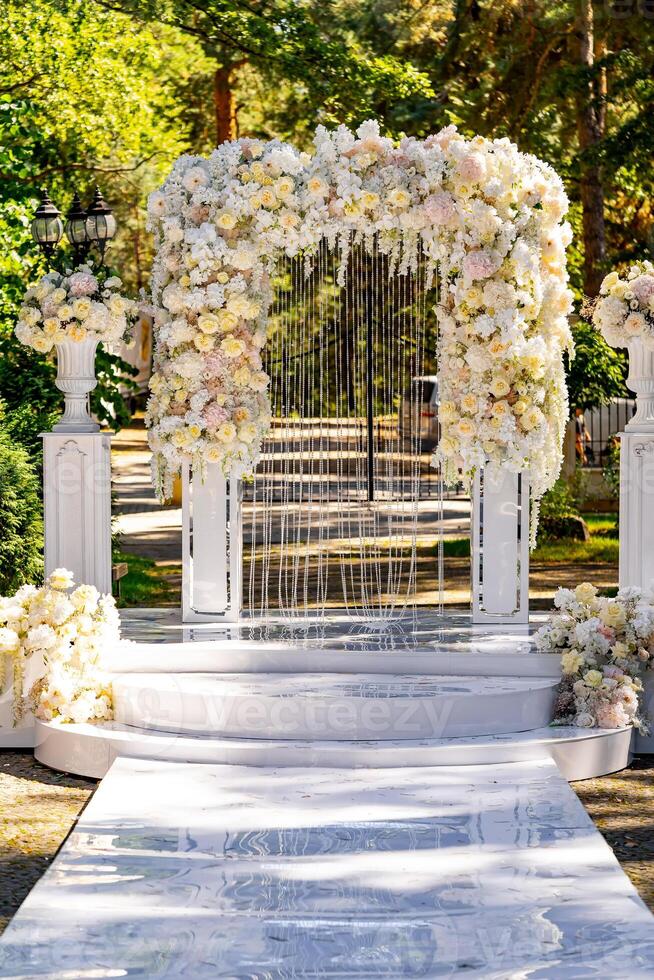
(82, 305)
(624, 310)
(74, 313)
(605, 645)
(485, 217)
(54, 637)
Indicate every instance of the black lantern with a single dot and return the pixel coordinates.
(100, 222)
(47, 226)
(76, 229)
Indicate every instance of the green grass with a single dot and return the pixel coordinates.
(146, 583)
(602, 548)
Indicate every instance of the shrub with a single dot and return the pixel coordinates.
(21, 538)
(559, 514)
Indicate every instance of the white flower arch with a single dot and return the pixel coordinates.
(484, 215)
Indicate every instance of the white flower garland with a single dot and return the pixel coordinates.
(624, 310)
(54, 639)
(81, 305)
(486, 216)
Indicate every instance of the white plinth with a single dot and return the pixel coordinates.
(211, 546)
(500, 547)
(77, 505)
(636, 509)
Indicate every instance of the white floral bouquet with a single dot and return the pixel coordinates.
(55, 638)
(624, 310)
(81, 305)
(485, 217)
(605, 646)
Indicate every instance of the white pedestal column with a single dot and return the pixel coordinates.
(77, 505)
(212, 574)
(637, 475)
(636, 509)
(77, 515)
(500, 547)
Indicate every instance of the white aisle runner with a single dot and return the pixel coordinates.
(181, 870)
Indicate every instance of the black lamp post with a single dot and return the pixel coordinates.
(95, 226)
(76, 230)
(47, 226)
(100, 222)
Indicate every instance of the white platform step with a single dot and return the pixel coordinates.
(486, 873)
(89, 750)
(333, 706)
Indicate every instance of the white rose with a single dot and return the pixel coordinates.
(61, 579)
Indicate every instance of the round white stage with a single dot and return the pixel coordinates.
(432, 691)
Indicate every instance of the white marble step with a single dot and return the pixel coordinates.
(89, 750)
(487, 873)
(333, 706)
(430, 645)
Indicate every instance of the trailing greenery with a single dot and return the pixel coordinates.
(21, 540)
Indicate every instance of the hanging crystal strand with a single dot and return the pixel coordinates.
(322, 411)
(283, 464)
(272, 457)
(380, 457)
(366, 530)
(352, 488)
(310, 427)
(340, 330)
(441, 489)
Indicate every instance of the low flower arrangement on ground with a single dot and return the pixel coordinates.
(605, 646)
(54, 637)
(81, 305)
(487, 219)
(624, 310)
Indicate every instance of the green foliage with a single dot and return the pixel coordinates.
(115, 385)
(21, 541)
(596, 375)
(333, 74)
(560, 501)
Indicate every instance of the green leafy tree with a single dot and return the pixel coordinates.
(596, 375)
(21, 541)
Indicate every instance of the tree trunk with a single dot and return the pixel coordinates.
(590, 115)
(223, 100)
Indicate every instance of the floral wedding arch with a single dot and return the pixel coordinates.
(484, 217)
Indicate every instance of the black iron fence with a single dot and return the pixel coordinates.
(596, 430)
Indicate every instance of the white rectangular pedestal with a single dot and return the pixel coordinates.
(636, 509)
(211, 546)
(500, 547)
(77, 505)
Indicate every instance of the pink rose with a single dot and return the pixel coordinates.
(611, 716)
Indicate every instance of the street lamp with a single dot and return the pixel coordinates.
(95, 226)
(47, 226)
(100, 222)
(76, 230)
